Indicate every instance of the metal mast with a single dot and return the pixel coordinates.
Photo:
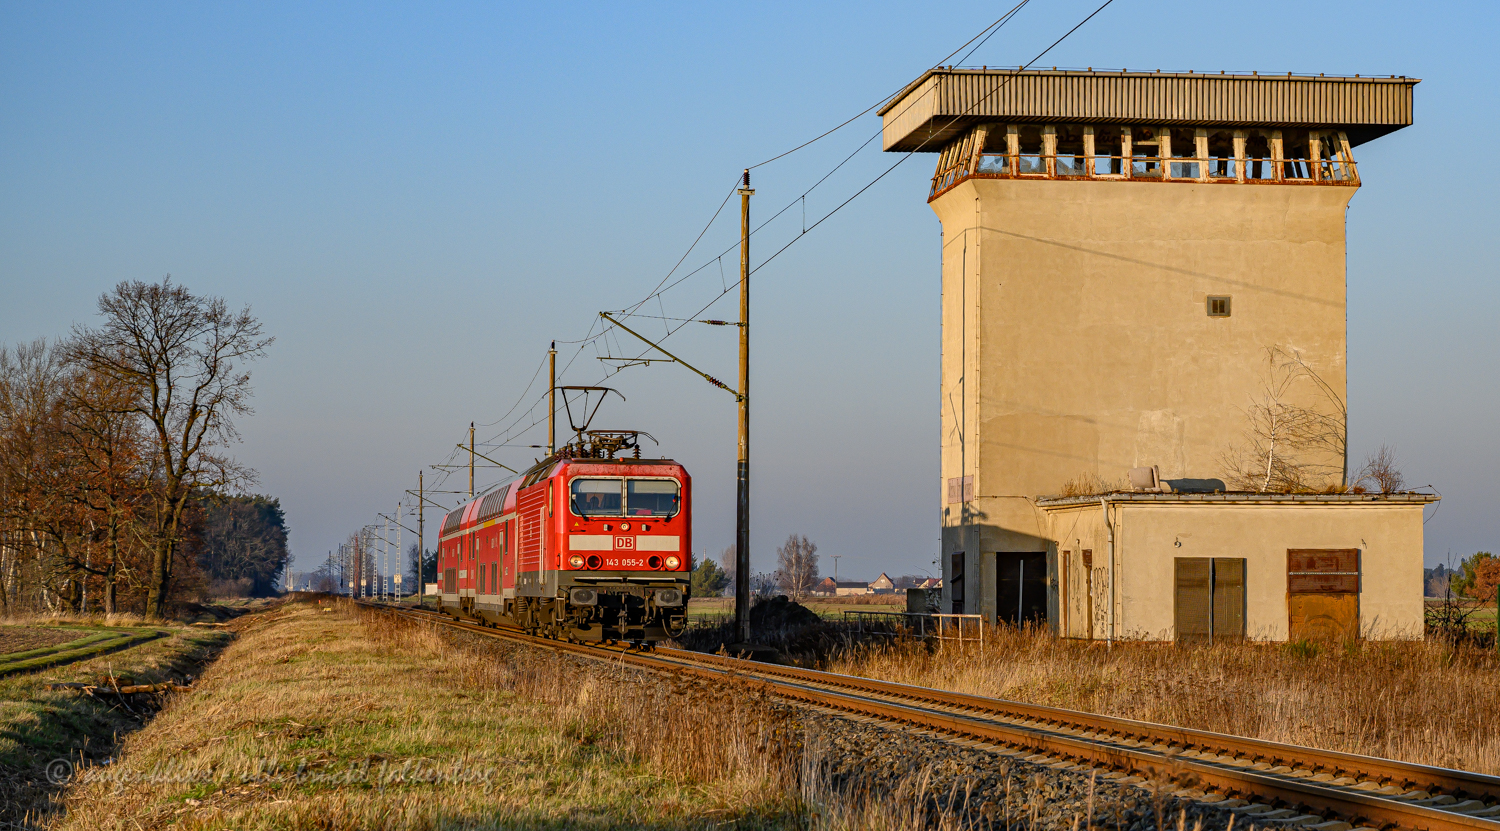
(471, 460)
(421, 542)
(742, 471)
(552, 399)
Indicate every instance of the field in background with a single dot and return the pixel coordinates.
(1423, 702)
(42, 725)
(1481, 613)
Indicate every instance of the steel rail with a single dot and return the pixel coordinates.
(1230, 765)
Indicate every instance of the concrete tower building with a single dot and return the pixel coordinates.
(1135, 267)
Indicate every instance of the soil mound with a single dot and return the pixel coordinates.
(780, 613)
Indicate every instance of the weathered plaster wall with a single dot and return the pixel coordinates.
(1076, 339)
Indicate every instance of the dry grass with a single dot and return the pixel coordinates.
(67, 619)
(346, 719)
(38, 725)
(1414, 701)
(334, 720)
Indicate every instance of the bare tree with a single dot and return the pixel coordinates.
(113, 482)
(1381, 472)
(179, 355)
(1295, 434)
(797, 565)
(728, 560)
(33, 471)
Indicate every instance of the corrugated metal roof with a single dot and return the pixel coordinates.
(944, 102)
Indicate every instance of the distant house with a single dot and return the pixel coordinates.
(931, 583)
(882, 585)
(825, 588)
(851, 587)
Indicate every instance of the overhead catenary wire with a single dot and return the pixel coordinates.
(887, 171)
(520, 424)
(985, 33)
(991, 29)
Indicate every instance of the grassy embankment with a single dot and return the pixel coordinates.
(1422, 702)
(327, 717)
(38, 725)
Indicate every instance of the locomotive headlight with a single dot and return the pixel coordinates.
(673, 562)
(576, 561)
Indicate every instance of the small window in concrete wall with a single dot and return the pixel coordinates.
(1209, 598)
(1218, 305)
(956, 582)
(960, 489)
(1021, 590)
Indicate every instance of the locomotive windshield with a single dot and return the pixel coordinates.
(625, 497)
(651, 497)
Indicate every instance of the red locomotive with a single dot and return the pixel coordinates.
(584, 546)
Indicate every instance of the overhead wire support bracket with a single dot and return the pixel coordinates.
(629, 362)
(491, 461)
(654, 345)
(393, 522)
(429, 501)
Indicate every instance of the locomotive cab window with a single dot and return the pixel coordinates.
(598, 497)
(651, 497)
(625, 497)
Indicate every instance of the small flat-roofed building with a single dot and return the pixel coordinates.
(1194, 566)
(1126, 256)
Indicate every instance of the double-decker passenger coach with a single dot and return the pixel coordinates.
(584, 546)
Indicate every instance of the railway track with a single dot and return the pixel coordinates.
(1266, 783)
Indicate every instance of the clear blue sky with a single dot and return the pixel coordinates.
(416, 198)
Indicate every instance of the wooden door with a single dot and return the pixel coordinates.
(1208, 600)
(1078, 580)
(1322, 588)
(1192, 601)
(1229, 598)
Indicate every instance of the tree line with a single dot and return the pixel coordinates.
(114, 473)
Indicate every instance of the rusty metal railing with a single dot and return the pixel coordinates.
(942, 627)
(1329, 171)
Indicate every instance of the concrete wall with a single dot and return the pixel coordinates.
(1076, 341)
(1148, 537)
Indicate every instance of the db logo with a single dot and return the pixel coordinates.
(625, 543)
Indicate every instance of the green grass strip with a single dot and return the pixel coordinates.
(134, 639)
(12, 657)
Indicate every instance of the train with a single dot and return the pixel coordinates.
(584, 546)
